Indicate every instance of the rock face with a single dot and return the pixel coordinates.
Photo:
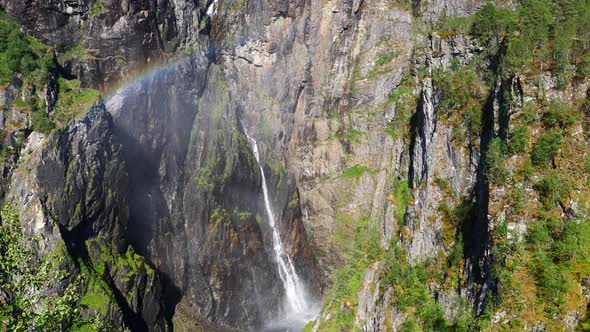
(103, 42)
(71, 189)
(342, 99)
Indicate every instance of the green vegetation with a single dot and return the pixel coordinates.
(222, 154)
(462, 98)
(294, 200)
(553, 190)
(491, 23)
(453, 219)
(560, 115)
(539, 35)
(348, 279)
(20, 53)
(494, 162)
(105, 260)
(96, 8)
(450, 26)
(405, 104)
(518, 139)
(356, 171)
(546, 149)
(401, 194)
(381, 62)
(384, 58)
(411, 295)
(73, 101)
(557, 247)
(351, 135)
(24, 277)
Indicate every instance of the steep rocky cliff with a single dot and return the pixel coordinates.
(421, 160)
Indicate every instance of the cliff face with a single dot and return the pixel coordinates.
(70, 191)
(377, 128)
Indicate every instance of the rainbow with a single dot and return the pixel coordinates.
(144, 73)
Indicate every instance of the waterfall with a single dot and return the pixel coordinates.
(296, 296)
(212, 10)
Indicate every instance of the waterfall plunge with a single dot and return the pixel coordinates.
(296, 295)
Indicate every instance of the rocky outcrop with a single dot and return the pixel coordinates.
(70, 189)
(103, 42)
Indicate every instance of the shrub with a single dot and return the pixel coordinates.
(494, 163)
(462, 92)
(22, 273)
(411, 293)
(518, 139)
(18, 56)
(553, 190)
(516, 199)
(401, 193)
(491, 23)
(410, 326)
(560, 115)
(348, 279)
(546, 148)
(40, 120)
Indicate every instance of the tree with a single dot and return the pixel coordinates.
(546, 148)
(23, 277)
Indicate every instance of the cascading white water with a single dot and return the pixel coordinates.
(212, 10)
(295, 292)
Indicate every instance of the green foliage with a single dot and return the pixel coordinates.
(553, 190)
(455, 257)
(411, 294)
(560, 115)
(384, 58)
(557, 246)
(96, 8)
(453, 218)
(516, 199)
(352, 135)
(308, 327)
(546, 149)
(21, 54)
(544, 34)
(462, 92)
(449, 26)
(24, 277)
(405, 103)
(73, 101)
(40, 120)
(104, 260)
(494, 162)
(348, 279)
(294, 200)
(401, 194)
(492, 23)
(242, 215)
(518, 139)
(381, 62)
(356, 171)
(410, 326)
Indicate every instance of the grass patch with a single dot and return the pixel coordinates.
(356, 172)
